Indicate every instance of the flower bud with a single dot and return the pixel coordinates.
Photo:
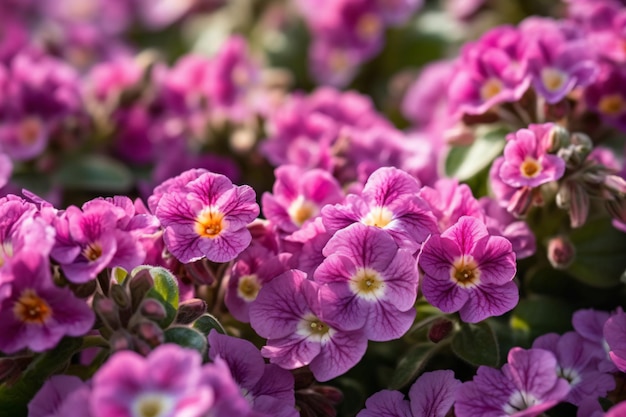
(121, 340)
(139, 285)
(119, 295)
(558, 138)
(579, 204)
(150, 332)
(617, 209)
(152, 309)
(561, 252)
(615, 185)
(190, 310)
(107, 310)
(521, 201)
(440, 329)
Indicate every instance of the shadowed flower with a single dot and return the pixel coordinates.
(61, 396)
(615, 336)
(38, 314)
(526, 386)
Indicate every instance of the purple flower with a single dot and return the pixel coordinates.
(607, 95)
(388, 201)
(37, 314)
(372, 283)
(268, 388)
(253, 268)
(306, 246)
(167, 382)
(432, 395)
(500, 222)
(589, 324)
(526, 160)
(559, 58)
(298, 196)
(576, 364)
(207, 217)
(60, 396)
(468, 270)
(526, 386)
(290, 312)
(615, 335)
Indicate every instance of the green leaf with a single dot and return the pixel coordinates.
(15, 398)
(94, 173)
(600, 249)
(165, 290)
(187, 337)
(411, 364)
(541, 315)
(463, 162)
(477, 344)
(206, 323)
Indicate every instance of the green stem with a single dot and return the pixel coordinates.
(94, 341)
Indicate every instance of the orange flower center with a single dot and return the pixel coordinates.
(553, 79)
(210, 223)
(92, 251)
(612, 104)
(29, 130)
(31, 309)
(490, 88)
(530, 168)
(301, 210)
(368, 26)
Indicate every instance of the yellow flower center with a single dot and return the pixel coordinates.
(465, 271)
(379, 217)
(491, 88)
(318, 327)
(92, 251)
(530, 168)
(367, 283)
(368, 26)
(249, 287)
(210, 223)
(31, 309)
(553, 79)
(312, 327)
(302, 210)
(612, 104)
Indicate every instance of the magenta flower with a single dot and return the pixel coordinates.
(372, 283)
(291, 313)
(268, 388)
(576, 364)
(526, 160)
(468, 270)
(60, 396)
(306, 246)
(298, 196)
(388, 201)
(254, 267)
(207, 217)
(607, 95)
(615, 336)
(526, 386)
(166, 383)
(432, 395)
(450, 200)
(37, 314)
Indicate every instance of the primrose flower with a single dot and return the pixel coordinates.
(468, 270)
(298, 196)
(450, 200)
(575, 363)
(589, 324)
(167, 382)
(37, 314)
(388, 201)
(432, 395)
(526, 386)
(615, 336)
(207, 217)
(61, 395)
(267, 387)
(372, 283)
(526, 160)
(291, 313)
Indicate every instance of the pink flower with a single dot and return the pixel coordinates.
(167, 382)
(206, 217)
(468, 270)
(526, 160)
